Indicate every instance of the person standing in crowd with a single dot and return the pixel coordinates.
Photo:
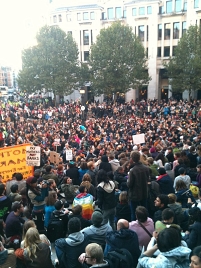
(106, 197)
(138, 184)
(5, 203)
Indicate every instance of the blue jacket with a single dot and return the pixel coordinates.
(166, 184)
(124, 238)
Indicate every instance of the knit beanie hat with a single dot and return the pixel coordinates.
(97, 217)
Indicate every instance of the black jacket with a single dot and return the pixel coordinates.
(194, 238)
(106, 195)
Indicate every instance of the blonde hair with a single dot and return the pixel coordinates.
(31, 241)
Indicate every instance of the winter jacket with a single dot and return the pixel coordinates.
(93, 177)
(114, 164)
(178, 213)
(106, 195)
(124, 238)
(154, 171)
(74, 175)
(182, 197)
(166, 184)
(84, 223)
(15, 197)
(193, 159)
(123, 211)
(169, 170)
(177, 257)
(69, 249)
(137, 182)
(105, 165)
(194, 238)
(120, 177)
(143, 237)
(81, 173)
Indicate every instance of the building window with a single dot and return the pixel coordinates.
(92, 16)
(110, 13)
(177, 5)
(141, 32)
(159, 31)
(118, 13)
(196, 3)
(124, 13)
(159, 52)
(169, 7)
(141, 11)
(134, 11)
(183, 27)
(147, 33)
(167, 31)
(78, 16)
(173, 50)
(104, 16)
(85, 15)
(86, 37)
(70, 32)
(55, 19)
(176, 30)
(185, 5)
(91, 37)
(60, 18)
(166, 51)
(161, 10)
(149, 10)
(86, 55)
(68, 17)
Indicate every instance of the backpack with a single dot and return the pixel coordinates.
(55, 229)
(120, 258)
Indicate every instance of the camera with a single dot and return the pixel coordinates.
(45, 182)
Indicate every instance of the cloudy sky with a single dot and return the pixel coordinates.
(19, 23)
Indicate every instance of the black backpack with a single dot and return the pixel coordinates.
(120, 258)
(55, 229)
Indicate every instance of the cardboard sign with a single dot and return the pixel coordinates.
(69, 155)
(13, 160)
(8, 119)
(33, 156)
(54, 157)
(138, 139)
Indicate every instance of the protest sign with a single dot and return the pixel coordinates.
(138, 139)
(33, 156)
(69, 155)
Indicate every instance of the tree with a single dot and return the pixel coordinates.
(117, 61)
(51, 64)
(184, 68)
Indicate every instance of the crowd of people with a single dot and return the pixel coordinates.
(113, 199)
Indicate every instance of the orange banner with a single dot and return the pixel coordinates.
(13, 160)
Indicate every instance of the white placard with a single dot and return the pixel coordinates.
(138, 139)
(33, 156)
(69, 155)
(82, 108)
(57, 142)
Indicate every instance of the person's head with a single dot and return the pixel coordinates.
(150, 160)
(145, 150)
(83, 165)
(120, 169)
(82, 189)
(111, 156)
(167, 166)
(161, 201)
(182, 171)
(194, 214)
(192, 149)
(48, 169)
(122, 224)
(31, 241)
(59, 205)
(172, 198)
(196, 257)
(90, 165)
(74, 225)
(180, 161)
(67, 180)
(31, 182)
(102, 176)
(161, 171)
(141, 213)
(14, 188)
(93, 254)
(97, 217)
(199, 168)
(177, 155)
(52, 183)
(77, 210)
(51, 198)
(17, 207)
(19, 176)
(180, 185)
(123, 197)
(168, 239)
(168, 215)
(86, 177)
(135, 155)
(28, 224)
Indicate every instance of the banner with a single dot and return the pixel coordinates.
(13, 160)
(33, 156)
(138, 139)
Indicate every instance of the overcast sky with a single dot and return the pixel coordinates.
(19, 23)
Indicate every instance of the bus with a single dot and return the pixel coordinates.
(3, 90)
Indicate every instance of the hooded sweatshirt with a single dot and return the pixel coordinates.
(178, 256)
(185, 178)
(75, 239)
(100, 231)
(114, 164)
(106, 195)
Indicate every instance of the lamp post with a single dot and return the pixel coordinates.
(82, 92)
